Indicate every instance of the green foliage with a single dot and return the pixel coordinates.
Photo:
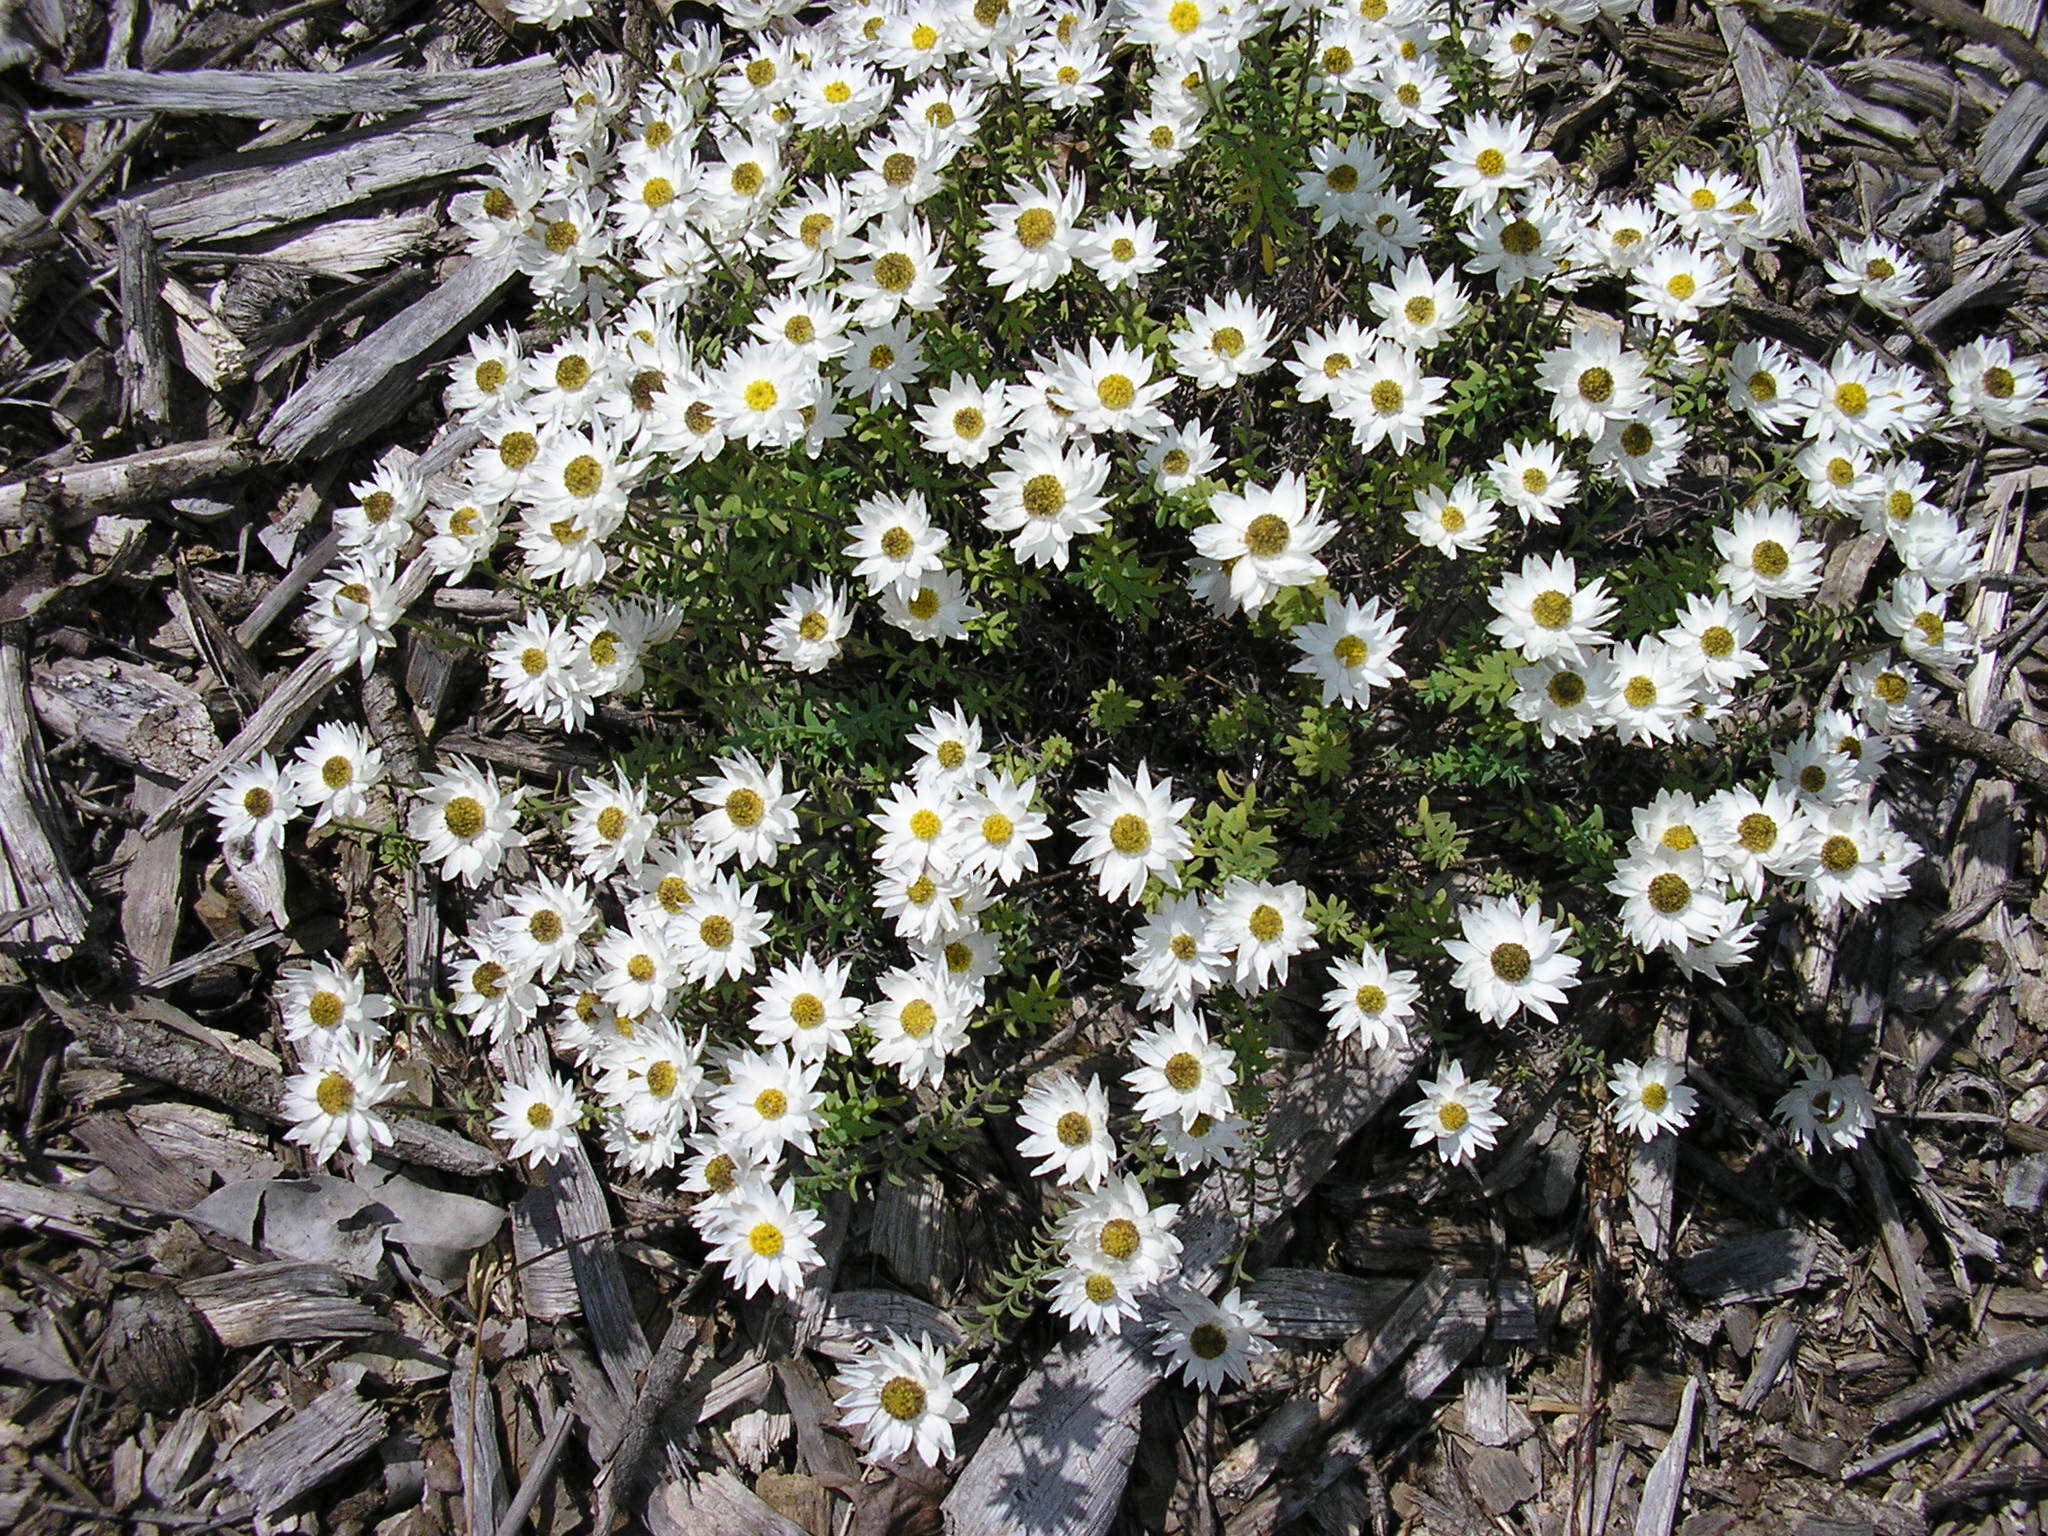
(1111, 709)
(1438, 842)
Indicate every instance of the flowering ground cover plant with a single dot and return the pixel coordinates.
(1180, 504)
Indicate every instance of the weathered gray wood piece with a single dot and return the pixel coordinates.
(473, 1420)
(43, 908)
(283, 1303)
(2009, 141)
(141, 718)
(506, 94)
(369, 384)
(1659, 1509)
(1765, 80)
(267, 189)
(79, 492)
(154, 1050)
(1059, 1453)
(336, 1429)
(145, 358)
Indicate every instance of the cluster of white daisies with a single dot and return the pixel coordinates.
(817, 168)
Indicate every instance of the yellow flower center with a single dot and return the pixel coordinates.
(1453, 1116)
(1510, 962)
(1763, 387)
(1387, 397)
(1228, 341)
(498, 203)
(1035, 228)
(545, 926)
(806, 1010)
(1267, 535)
(1839, 855)
(1265, 923)
(1350, 651)
(1130, 834)
(560, 237)
(1670, 893)
(259, 803)
(895, 272)
(335, 1095)
(1370, 999)
(1682, 286)
(1596, 386)
(1074, 1129)
(902, 1399)
(1717, 641)
(748, 178)
(325, 1009)
(641, 969)
(1931, 629)
(1769, 559)
(761, 395)
(997, 830)
(918, 1018)
(1490, 163)
(661, 1077)
(1890, 687)
(1654, 1097)
(1183, 947)
(673, 893)
(1851, 399)
(799, 331)
(1116, 392)
(1999, 383)
(463, 817)
(766, 1240)
(771, 1103)
(1099, 1288)
(925, 824)
(1551, 609)
(925, 606)
(1640, 693)
(1119, 1239)
(583, 475)
(540, 1117)
(921, 891)
(744, 808)
(715, 931)
(968, 422)
(1183, 1071)
(1044, 496)
(899, 169)
(1184, 17)
(1207, 1341)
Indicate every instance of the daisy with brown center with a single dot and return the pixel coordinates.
(1066, 1127)
(899, 1400)
(1212, 1342)
(332, 1100)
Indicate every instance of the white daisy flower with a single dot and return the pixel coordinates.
(1454, 521)
(333, 1099)
(1066, 1126)
(746, 814)
(1766, 554)
(1212, 1342)
(1225, 340)
(1267, 538)
(768, 1103)
(1457, 1113)
(1652, 1098)
(1181, 1072)
(1045, 496)
(1130, 831)
(537, 1119)
(761, 1236)
(466, 822)
(1831, 1114)
(1543, 612)
(1172, 960)
(938, 610)
(320, 1000)
(918, 1023)
(899, 1400)
(1351, 652)
(1511, 958)
(1370, 1000)
(256, 801)
(1261, 925)
(805, 1006)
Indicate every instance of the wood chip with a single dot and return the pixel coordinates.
(368, 385)
(1659, 1508)
(43, 908)
(510, 93)
(287, 1303)
(334, 1431)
